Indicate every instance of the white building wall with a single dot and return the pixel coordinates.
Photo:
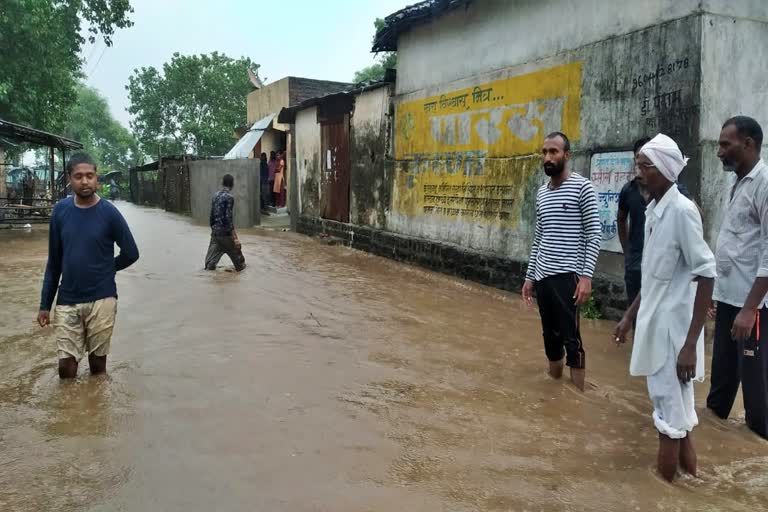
(307, 133)
(493, 34)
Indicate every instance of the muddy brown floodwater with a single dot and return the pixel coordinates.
(324, 379)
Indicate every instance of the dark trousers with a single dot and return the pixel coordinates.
(266, 194)
(632, 280)
(560, 319)
(740, 362)
(221, 245)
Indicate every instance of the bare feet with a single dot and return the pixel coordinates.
(669, 454)
(556, 369)
(688, 455)
(578, 375)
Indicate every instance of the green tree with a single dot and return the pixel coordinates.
(40, 44)
(111, 144)
(192, 106)
(384, 61)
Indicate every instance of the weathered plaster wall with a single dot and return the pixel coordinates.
(467, 152)
(205, 179)
(307, 133)
(493, 34)
(371, 179)
(733, 82)
(268, 100)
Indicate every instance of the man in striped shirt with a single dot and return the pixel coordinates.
(563, 257)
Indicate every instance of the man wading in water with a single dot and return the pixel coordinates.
(81, 253)
(224, 238)
(563, 257)
(675, 294)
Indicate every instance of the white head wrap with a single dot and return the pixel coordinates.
(665, 155)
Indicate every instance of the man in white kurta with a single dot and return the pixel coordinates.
(669, 342)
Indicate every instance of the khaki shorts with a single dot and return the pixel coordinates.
(85, 329)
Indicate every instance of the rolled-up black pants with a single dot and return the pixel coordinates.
(560, 319)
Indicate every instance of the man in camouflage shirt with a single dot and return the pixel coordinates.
(223, 235)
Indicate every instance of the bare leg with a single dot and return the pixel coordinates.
(669, 454)
(578, 376)
(688, 455)
(97, 364)
(67, 368)
(556, 369)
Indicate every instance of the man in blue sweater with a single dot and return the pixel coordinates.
(81, 267)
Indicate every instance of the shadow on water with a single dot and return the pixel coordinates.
(326, 379)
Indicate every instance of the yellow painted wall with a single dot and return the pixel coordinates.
(469, 153)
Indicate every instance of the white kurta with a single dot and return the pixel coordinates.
(675, 253)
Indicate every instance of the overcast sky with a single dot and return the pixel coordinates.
(310, 38)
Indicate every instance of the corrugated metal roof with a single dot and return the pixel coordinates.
(20, 134)
(404, 19)
(247, 142)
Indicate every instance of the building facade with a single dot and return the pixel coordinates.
(480, 83)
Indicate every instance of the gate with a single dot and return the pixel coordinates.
(176, 190)
(334, 144)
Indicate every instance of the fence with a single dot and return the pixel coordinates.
(146, 188)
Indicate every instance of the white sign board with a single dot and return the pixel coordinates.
(609, 172)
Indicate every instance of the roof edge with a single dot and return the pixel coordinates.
(408, 17)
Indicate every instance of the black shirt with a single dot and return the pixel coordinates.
(631, 200)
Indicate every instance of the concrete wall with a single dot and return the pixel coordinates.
(733, 82)
(287, 92)
(493, 34)
(205, 180)
(307, 134)
(270, 141)
(372, 178)
(270, 99)
(604, 95)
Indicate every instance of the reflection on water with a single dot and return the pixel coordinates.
(326, 379)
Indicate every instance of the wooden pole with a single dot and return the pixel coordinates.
(53, 176)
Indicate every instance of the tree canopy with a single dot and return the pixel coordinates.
(193, 105)
(111, 145)
(40, 44)
(384, 61)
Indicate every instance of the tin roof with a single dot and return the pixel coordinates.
(17, 133)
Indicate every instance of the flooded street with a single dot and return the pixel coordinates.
(325, 379)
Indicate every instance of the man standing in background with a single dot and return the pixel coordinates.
(224, 238)
(741, 323)
(633, 200)
(563, 257)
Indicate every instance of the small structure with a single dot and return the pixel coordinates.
(340, 149)
(32, 209)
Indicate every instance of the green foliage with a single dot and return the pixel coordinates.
(40, 43)
(112, 146)
(375, 72)
(590, 310)
(192, 106)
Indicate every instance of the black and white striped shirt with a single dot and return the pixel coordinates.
(568, 230)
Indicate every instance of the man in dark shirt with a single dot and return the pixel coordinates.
(81, 254)
(224, 238)
(633, 199)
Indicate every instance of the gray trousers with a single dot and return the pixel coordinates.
(219, 246)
